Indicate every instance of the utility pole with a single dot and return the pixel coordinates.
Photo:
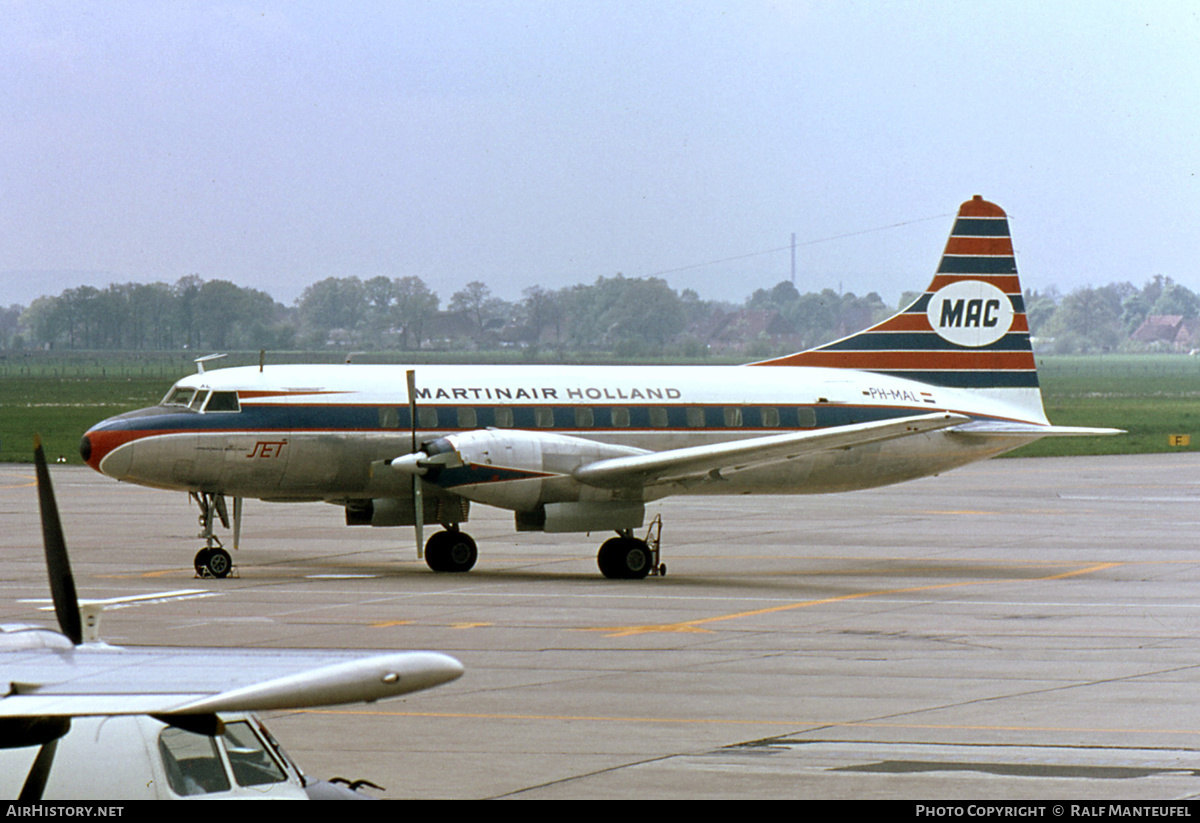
(793, 259)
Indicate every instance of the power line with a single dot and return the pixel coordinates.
(805, 243)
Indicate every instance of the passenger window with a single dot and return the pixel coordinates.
(222, 401)
(806, 417)
(252, 763)
(695, 417)
(427, 417)
(389, 418)
(466, 418)
(658, 417)
(191, 762)
(504, 417)
(770, 416)
(733, 416)
(620, 418)
(584, 418)
(543, 418)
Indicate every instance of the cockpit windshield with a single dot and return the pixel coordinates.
(202, 399)
(178, 396)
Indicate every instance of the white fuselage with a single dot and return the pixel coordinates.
(321, 432)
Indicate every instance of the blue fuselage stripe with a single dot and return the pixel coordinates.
(664, 418)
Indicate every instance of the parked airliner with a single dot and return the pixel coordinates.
(947, 381)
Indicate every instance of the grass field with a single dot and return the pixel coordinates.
(61, 395)
(1150, 396)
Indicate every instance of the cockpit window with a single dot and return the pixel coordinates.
(191, 762)
(198, 401)
(181, 396)
(222, 401)
(252, 763)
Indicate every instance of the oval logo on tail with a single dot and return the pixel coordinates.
(970, 313)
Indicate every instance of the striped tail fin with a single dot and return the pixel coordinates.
(967, 331)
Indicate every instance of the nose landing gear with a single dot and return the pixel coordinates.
(213, 561)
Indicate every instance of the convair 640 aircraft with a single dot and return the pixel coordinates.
(949, 380)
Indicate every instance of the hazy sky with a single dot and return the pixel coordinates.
(278, 143)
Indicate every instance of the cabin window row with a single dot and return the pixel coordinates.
(604, 417)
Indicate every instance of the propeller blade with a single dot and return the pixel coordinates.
(39, 773)
(418, 503)
(62, 583)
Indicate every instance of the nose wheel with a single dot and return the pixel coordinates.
(212, 561)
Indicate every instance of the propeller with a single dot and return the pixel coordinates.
(418, 503)
(62, 583)
(48, 730)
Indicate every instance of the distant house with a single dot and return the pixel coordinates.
(1169, 330)
(726, 331)
(445, 327)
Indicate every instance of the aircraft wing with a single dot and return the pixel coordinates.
(699, 462)
(106, 680)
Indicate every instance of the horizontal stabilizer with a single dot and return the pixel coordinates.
(993, 428)
(697, 461)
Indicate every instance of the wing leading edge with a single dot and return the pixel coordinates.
(699, 462)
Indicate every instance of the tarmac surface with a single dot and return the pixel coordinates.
(1018, 629)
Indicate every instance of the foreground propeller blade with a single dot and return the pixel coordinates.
(35, 782)
(62, 584)
(418, 503)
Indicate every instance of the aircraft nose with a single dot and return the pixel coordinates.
(100, 448)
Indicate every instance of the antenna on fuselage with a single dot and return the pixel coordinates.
(200, 361)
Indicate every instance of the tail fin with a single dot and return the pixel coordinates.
(967, 331)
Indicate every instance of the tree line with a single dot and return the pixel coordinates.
(627, 316)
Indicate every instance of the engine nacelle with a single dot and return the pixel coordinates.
(401, 511)
(518, 470)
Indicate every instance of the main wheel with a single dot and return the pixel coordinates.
(624, 558)
(451, 551)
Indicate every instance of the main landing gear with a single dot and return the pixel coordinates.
(451, 551)
(213, 560)
(626, 557)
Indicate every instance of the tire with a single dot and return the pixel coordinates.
(624, 558)
(219, 563)
(451, 551)
(200, 563)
